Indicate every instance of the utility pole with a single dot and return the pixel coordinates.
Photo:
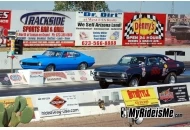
(172, 9)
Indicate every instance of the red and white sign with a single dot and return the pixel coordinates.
(5, 23)
(38, 28)
(98, 28)
(145, 29)
(57, 105)
(17, 78)
(54, 77)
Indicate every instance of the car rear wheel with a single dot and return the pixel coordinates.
(103, 84)
(82, 66)
(134, 82)
(50, 68)
(171, 78)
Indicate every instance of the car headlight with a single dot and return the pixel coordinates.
(172, 30)
(20, 62)
(123, 75)
(96, 73)
(39, 64)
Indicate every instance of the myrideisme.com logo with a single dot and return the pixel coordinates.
(152, 113)
(149, 112)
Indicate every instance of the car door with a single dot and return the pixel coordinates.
(68, 60)
(153, 68)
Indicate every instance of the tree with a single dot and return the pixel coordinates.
(96, 6)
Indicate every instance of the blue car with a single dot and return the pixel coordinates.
(58, 59)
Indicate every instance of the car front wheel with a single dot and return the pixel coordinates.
(134, 82)
(50, 68)
(82, 66)
(171, 78)
(103, 84)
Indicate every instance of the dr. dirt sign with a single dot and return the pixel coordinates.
(152, 29)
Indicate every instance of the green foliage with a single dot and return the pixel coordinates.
(94, 6)
(15, 113)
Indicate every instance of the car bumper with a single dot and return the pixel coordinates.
(33, 67)
(111, 79)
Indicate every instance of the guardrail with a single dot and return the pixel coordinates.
(86, 103)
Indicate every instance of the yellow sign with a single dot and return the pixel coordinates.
(146, 26)
(139, 97)
(8, 101)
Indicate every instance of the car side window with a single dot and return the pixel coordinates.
(152, 61)
(161, 60)
(71, 54)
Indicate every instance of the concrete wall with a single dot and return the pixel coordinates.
(110, 56)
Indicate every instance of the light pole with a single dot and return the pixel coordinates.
(140, 16)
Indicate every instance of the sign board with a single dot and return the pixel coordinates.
(5, 23)
(98, 28)
(140, 97)
(57, 105)
(44, 28)
(173, 94)
(152, 29)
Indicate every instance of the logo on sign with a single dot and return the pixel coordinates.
(43, 18)
(15, 77)
(83, 78)
(138, 93)
(146, 25)
(166, 95)
(101, 14)
(4, 15)
(58, 102)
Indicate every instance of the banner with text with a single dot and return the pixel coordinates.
(178, 29)
(5, 23)
(145, 29)
(44, 28)
(98, 29)
(57, 105)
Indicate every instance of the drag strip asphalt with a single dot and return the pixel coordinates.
(62, 87)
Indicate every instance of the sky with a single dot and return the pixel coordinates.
(180, 7)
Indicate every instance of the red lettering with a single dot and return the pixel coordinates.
(45, 29)
(58, 29)
(31, 28)
(55, 74)
(138, 93)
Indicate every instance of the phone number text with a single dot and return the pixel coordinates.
(98, 43)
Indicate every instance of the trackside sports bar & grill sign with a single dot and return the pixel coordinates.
(44, 28)
(98, 28)
(152, 29)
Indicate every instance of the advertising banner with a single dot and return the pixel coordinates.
(140, 97)
(5, 23)
(151, 28)
(173, 94)
(98, 29)
(17, 78)
(43, 28)
(178, 29)
(57, 105)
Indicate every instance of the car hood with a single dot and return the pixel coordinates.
(113, 68)
(35, 58)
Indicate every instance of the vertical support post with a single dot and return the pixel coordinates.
(175, 54)
(139, 25)
(11, 64)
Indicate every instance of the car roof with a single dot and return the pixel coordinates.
(60, 49)
(144, 54)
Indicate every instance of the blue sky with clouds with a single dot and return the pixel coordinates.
(130, 6)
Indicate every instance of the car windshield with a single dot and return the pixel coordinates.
(52, 53)
(129, 60)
